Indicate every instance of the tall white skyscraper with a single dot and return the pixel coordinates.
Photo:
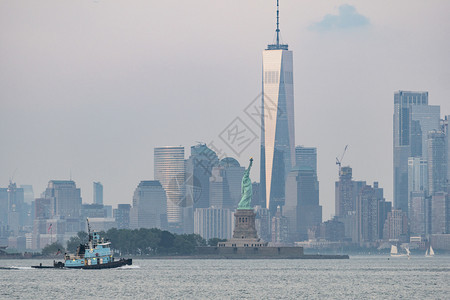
(277, 119)
(169, 170)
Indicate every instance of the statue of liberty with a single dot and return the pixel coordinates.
(246, 189)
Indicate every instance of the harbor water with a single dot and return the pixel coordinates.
(374, 277)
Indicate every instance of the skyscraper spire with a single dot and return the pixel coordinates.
(278, 24)
(277, 45)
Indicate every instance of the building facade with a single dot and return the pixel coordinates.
(280, 228)
(122, 216)
(437, 162)
(219, 190)
(98, 193)
(169, 167)
(213, 223)
(440, 213)
(65, 199)
(306, 157)
(417, 178)
(277, 122)
(199, 165)
(346, 191)
(233, 173)
(302, 208)
(413, 119)
(149, 206)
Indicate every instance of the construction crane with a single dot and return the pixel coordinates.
(339, 160)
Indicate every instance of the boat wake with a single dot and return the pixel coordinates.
(16, 268)
(129, 267)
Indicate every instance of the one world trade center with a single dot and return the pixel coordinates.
(277, 119)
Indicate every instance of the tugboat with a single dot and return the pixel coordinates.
(95, 254)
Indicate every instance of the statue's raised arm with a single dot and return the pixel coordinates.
(246, 189)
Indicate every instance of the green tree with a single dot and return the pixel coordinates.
(53, 249)
(153, 241)
(81, 238)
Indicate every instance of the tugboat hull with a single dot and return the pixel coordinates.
(109, 265)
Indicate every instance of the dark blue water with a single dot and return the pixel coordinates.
(374, 277)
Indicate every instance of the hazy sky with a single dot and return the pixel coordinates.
(91, 87)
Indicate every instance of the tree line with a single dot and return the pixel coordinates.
(145, 241)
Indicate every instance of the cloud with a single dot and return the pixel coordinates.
(347, 18)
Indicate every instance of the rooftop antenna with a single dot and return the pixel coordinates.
(277, 45)
(278, 24)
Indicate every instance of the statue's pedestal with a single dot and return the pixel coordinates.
(244, 224)
(244, 234)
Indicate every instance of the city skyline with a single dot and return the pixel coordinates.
(49, 121)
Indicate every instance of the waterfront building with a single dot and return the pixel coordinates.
(440, 209)
(418, 213)
(280, 228)
(302, 208)
(437, 162)
(440, 241)
(169, 167)
(413, 119)
(263, 222)
(306, 157)
(277, 122)
(122, 216)
(372, 211)
(396, 225)
(213, 222)
(384, 208)
(98, 193)
(332, 230)
(346, 191)
(149, 206)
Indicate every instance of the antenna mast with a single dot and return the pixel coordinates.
(278, 24)
(277, 45)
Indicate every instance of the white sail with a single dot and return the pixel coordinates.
(394, 249)
(426, 253)
(407, 251)
(431, 251)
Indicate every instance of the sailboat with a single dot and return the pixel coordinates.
(429, 252)
(394, 252)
